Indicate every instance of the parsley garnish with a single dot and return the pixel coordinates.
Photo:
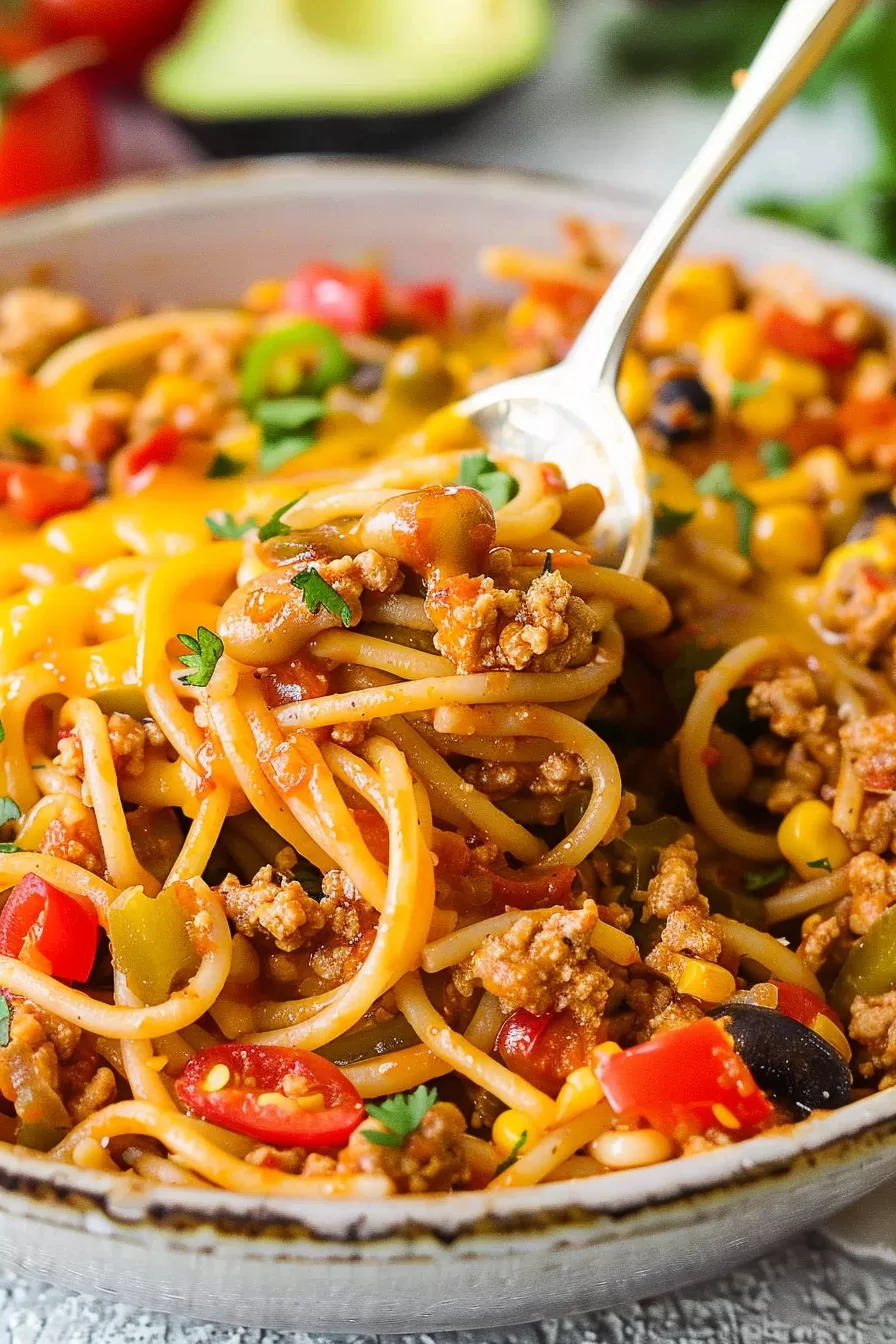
(478, 471)
(741, 391)
(514, 1153)
(222, 466)
(4, 1021)
(10, 849)
(318, 593)
(281, 422)
(228, 529)
(667, 521)
(821, 863)
(206, 648)
(9, 809)
(276, 455)
(401, 1115)
(776, 457)
(755, 879)
(548, 566)
(274, 527)
(718, 480)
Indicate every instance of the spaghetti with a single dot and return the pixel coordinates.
(361, 833)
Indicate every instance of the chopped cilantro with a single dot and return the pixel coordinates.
(275, 527)
(548, 566)
(276, 455)
(222, 466)
(775, 457)
(821, 863)
(10, 849)
(401, 1115)
(228, 529)
(514, 1153)
(9, 809)
(318, 593)
(667, 521)
(4, 1021)
(741, 391)
(718, 480)
(206, 648)
(757, 879)
(478, 471)
(288, 415)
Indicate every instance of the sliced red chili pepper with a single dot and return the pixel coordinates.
(160, 448)
(38, 493)
(257, 1090)
(542, 1048)
(426, 305)
(801, 1004)
(49, 929)
(549, 888)
(685, 1081)
(809, 340)
(349, 301)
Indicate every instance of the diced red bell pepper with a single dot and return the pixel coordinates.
(542, 1048)
(157, 450)
(801, 1004)
(37, 493)
(427, 305)
(258, 1090)
(352, 302)
(685, 1081)
(809, 340)
(549, 888)
(49, 929)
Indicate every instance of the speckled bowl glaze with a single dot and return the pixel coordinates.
(432, 1263)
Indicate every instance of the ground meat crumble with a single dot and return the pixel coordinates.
(273, 905)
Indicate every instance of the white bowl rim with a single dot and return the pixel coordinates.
(598, 1199)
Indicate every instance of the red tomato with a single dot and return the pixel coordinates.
(550, 888)
(801, 1004)
(49, 929)
(351, 302)
(129, 29)
(160, 448)
(674, 1080)
(541, 1048)
(859, 415)
(809, 340)
(49, 139)
(256, 1070)
(38, 493)
(427, 305)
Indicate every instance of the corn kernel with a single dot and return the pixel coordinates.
(802, 378)
(218, 1078)
(787, 539)
(767, 413)
(264, 296)
(619, 947)
(693, 293)
(704, 980)
(807, 834)
(730, 344)
(289, 1105)
(727, 1119)
(510, 1127)
(446, 431)
(311, 1101)
(823, 1026)
(580, 1093)
(634, 389)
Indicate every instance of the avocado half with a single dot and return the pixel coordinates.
(272, 76)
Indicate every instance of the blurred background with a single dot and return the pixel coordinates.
(616, 91)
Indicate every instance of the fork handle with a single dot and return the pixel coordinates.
(803, 34)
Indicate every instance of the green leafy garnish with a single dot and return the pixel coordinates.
(757, 879)
(775, 457)
(318, 593)
(2, 733)
(222, 466)
(821, 863)
(667, 521)
(718, 480)
(206, 648)
(4, 1021)
(228, 529)
(275, 527)
(9, 809)
(514, 1153)
(288, 415)
(548, 566)
(276, 455)
(741, 391)
(478, 471)
(23, 439)
(10, 849)
(401, 1115)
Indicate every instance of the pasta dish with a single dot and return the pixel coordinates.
(361, 833)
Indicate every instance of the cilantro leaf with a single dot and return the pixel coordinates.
(479, 472)
(9, 809)
(222, 466)
(401, 1115)
(775, 457)
(274, 527)
(514, 1153)
(206, 648)
(288, 415)
(667, 521)
(718, 480)
(548, 566)
(228, 529)
(276, 455)
(757, 879)
(821, 863)
(741, 391)
(10, 849)
(4, 1021)
(318, 593)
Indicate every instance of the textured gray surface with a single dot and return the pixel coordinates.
(806, 1293)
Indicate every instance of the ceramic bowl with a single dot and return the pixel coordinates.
(431, 1263)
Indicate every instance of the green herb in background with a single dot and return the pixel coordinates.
(704, 42)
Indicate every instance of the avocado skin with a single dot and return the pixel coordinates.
(383, 134)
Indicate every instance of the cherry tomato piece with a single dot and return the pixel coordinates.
(551, 888)
(542, 1048)
(129, 29)
(49, 929)
(808, 340)
(38, 493)
(427, 305)
(263, 1091)
(352, 302)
